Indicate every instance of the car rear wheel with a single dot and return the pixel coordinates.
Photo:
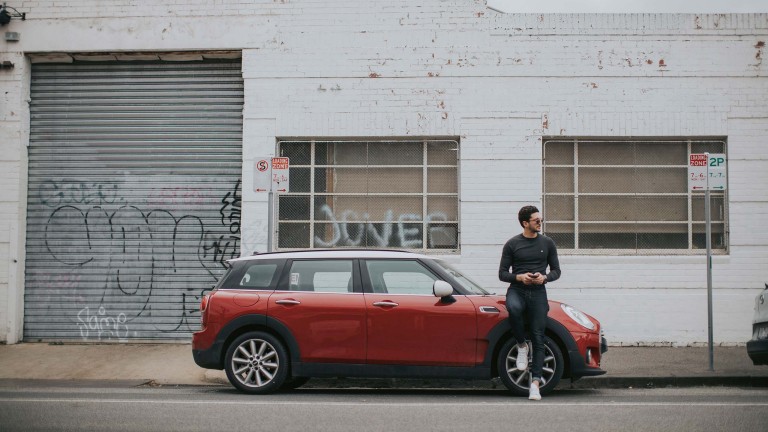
(257, 363)
(517, 381)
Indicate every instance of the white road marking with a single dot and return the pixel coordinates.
(399, 404)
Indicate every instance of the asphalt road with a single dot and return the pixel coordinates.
(115, 407)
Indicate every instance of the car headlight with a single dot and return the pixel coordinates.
(580, 317)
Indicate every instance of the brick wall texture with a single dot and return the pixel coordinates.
(453, 68)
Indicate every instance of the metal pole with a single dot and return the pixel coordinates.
(709, 271)
(270, 221)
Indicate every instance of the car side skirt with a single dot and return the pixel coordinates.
(326, 370)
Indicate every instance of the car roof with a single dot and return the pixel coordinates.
(334, 253)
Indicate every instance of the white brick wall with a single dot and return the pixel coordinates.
(14, 121)
(452, 68)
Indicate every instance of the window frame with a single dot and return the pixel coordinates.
(427, 224)
(231, 280)
(283, 284)
(368, 282)
(286, 283)
(576, 194)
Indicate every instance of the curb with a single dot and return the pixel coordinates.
(495, 384)
(671, 381)
(419, 384)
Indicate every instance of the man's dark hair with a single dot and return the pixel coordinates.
(525, 213)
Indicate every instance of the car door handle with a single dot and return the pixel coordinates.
(386, 304)
(288, 302)
(489, 309)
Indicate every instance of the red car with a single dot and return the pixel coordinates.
(275, 320)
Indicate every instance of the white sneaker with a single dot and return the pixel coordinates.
(533, 392)
(521, 362)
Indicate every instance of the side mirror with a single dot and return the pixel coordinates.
(442, 289)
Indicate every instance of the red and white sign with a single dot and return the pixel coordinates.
(697, 172)
(698, 159)
(707, 171)
(271, 174)
(280, 163)
(280, 175)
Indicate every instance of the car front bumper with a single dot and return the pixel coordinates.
(580, 366)
(758, 351)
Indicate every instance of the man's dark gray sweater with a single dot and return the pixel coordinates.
(529, 255)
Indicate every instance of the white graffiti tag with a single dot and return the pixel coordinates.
(407, 234)
(101, 325)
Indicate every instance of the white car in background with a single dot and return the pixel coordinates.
(757, 348)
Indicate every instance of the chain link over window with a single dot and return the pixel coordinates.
(629, 196)
(378, 194)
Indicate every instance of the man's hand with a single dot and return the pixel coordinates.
(534, 279)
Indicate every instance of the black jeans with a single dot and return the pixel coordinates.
(529, 302)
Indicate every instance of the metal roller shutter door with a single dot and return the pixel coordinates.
(133, 198)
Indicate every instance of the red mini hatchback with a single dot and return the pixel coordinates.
(275, 320)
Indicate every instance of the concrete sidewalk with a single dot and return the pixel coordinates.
(172, 364)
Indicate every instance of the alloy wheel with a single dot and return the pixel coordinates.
(522, 379)
(255, 362)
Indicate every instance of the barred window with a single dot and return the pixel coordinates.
(629, 196)
(378, 194)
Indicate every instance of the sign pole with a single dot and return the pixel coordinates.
(707, 212)
(709, 283)
(708, 171)
(270, 220)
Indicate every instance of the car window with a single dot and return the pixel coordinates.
(224, 278)
(400, 277)
(462, 279)
(321, 276)
(258, 276)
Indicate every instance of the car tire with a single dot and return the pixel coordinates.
(256, 363)
(518, 382)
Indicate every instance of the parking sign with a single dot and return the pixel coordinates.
(271, 174)
(717, 172)
(707, 170)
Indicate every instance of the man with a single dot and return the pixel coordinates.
(528, 255)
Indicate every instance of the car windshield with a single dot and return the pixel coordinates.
(465, 282)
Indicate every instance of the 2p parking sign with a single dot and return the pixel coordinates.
(707, 171)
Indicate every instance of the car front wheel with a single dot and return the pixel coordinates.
(519, 381)
(257, 363)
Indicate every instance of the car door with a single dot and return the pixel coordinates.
(320, 303)
(407, 324)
